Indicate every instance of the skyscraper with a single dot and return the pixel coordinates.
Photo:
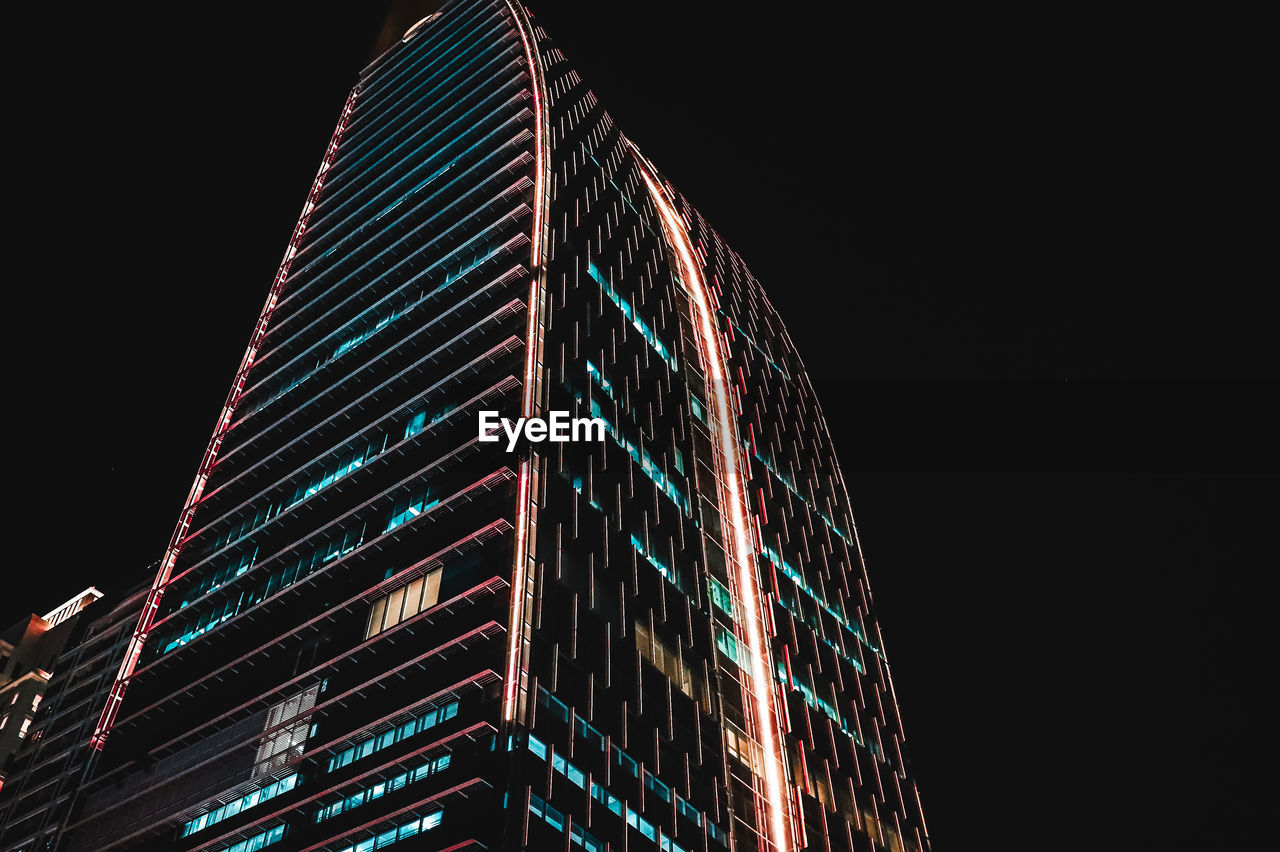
(372, 627)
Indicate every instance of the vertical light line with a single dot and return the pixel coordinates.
(152, 605)
(768, 731)
(529, 404)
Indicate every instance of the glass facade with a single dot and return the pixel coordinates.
(664, 639)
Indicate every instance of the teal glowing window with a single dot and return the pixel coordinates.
(239, 564)
(395, 835)
(406, 510)
(335, 471)
(419, 420)
(604, 797)
(641, 456)
(811, 696)
(605, 385)
(196, 625)
(662, 790)
(636, 320)
(627, 762)
(376, 791)
(669, 574)
(817, 702)
(623, 760)
(421, 722)
(851, 625)
(720, 596)
(554, 818)
(728, 644)
(415, 425)
(253, 844)
(791, 486)
(354, 341)
(250, 799)
(850, 654)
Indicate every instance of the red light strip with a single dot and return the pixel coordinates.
(152, 605)
(533, 345)
(767, 731)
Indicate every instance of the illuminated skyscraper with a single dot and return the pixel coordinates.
(373, 629)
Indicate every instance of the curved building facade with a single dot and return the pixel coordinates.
(374, 629)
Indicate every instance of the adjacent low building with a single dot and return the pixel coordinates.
(28, 650)
(46, 771)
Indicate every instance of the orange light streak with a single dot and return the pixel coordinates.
(529, 403)
(714, 359)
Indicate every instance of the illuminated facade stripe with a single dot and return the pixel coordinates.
(152, 605)
(733, 503)
(526, 508)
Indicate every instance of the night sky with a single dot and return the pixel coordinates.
(1003, 246)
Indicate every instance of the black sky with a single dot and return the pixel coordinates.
(1005, 245)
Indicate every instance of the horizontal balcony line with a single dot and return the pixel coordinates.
(380, 176)
(468, 334)
(465, 495)
(397, 56)
(512, 219)
(321, 232)
(382, 105)
(387, 93)
(381, 770)
(500, 388)
(417, 809)
(508, 311)
(496, 205)
(480, 680)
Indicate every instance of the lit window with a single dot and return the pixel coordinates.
(416, 424)
(404, 603)
(285, 739)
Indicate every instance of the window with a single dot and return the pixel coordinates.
(415, 425)
(341, 543)
(663, 791)
(425, 719)
(668, 574)
(258, 841)
(641, 456)
(720, 596)
(577, 836)
(666, 658)
(742, 747)
(406, 510)
(636, 320)
(603, 796)
(727, 643)
(404, 603)
(869, 825)
(396, 834)
(334, 471)
(288, 726)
